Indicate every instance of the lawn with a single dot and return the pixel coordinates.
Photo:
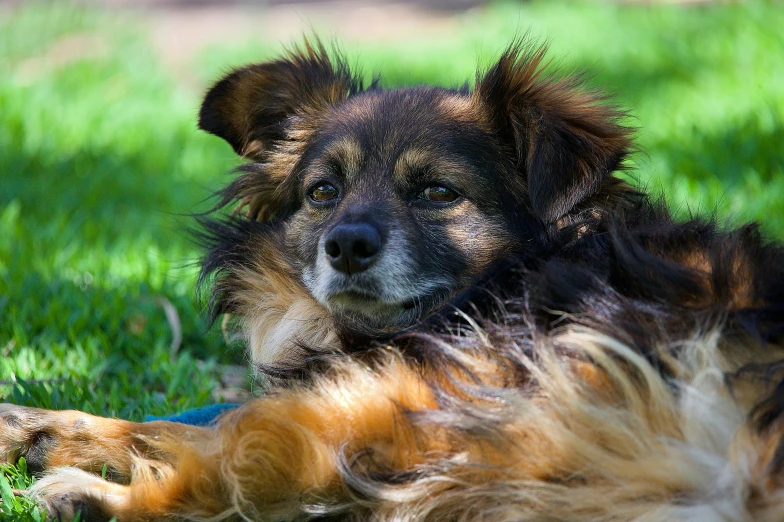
(100, 162)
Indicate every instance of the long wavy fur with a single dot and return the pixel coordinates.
(615, 365)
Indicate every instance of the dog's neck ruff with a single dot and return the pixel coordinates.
(281, 326)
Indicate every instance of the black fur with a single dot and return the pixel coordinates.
(585, 247)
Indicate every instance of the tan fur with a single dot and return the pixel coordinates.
(621, 444)
(277, 313)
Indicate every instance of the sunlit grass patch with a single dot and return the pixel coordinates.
(14, 505)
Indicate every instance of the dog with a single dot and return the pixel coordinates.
(467, 313)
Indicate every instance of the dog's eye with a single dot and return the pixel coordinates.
(323, 192)
(438, 194)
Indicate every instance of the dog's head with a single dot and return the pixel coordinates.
(387, 203)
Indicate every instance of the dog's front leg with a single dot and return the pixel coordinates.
(80, 446)
(159, 470)
(294, 453)
(50, 439)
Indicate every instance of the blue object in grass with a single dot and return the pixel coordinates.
(204, 416)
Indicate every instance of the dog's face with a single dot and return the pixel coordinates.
(390, 202)
(402, 200)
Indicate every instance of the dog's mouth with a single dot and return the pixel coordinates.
(353, 296)
(367, 311)
(371, 303)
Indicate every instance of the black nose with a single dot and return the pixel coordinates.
(352, 248)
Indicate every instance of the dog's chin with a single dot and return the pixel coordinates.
(369, 315)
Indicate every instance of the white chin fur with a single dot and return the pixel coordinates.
(393, 276)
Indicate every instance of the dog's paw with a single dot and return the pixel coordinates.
(15, 434)
(38, 434)
(27, 432)
(69, 491)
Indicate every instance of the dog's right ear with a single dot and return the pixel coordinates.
(251, 107)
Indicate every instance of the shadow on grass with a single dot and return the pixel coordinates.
(103, 194)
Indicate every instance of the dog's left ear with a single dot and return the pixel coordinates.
(566, 142)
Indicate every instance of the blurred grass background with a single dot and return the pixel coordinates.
(100, 157)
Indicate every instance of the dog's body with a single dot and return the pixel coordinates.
(472, 318)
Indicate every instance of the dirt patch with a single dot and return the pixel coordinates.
(65, 50)
(179, 29)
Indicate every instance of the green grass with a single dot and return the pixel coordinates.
(15, 508)
(100, 155)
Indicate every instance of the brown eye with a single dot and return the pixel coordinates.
(323, 192)
(438, 194)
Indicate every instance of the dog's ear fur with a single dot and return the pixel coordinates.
(250, 107)
(565, 141)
